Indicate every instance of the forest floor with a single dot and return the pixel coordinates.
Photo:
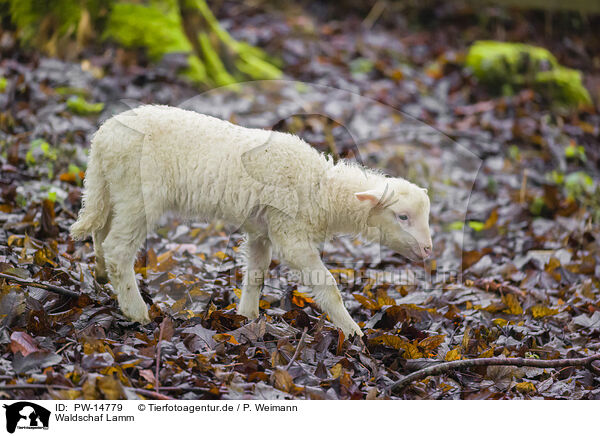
(515, 213)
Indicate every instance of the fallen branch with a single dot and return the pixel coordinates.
(46, 286)
(445, 367)
(35, 386)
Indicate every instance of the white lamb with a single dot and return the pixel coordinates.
(284, 194)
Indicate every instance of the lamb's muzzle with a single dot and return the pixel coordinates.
(287, 197)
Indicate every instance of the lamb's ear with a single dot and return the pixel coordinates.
(424, 190)
(372, 196)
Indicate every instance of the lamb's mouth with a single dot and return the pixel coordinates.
(416, 256)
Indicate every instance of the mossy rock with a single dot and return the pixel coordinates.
(507, 66)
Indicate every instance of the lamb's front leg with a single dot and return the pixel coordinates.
(305, 258)
(257, 251)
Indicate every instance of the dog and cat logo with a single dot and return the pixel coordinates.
(26, 415)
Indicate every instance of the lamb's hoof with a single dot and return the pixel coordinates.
(352, 330)
(250, 314)
(101, 276)
(137, 314)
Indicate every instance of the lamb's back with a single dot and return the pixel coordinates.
(210, 164)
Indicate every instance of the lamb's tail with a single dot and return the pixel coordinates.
(96, 201)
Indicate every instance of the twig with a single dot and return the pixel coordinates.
(523, 190)
(495, 361)
(46, 286)
(298, 349)
(152, 394)
(35, 386)
(160, 336)
(374, 14)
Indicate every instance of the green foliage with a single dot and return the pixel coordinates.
(509, 66)
(361, 66)
(578, 184)
(155, 27)
(478, 226)
(575, 152)
(80, 106)
(537, 206)
(41, 152)
(3, 83)
(42, 23)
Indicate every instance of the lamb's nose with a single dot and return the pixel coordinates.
(427, 250)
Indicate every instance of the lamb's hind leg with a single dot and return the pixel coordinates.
(258, 258)
(98, 237)
(127, 232)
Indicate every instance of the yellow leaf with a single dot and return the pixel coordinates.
(16, 240)
(383, 299)
(412, 351)
(500, 321)
(487, 353)
(225, 337)
(237, 292)
(525, 387)
(220, 255)
(491, 221)
(367, 303)
(466, 338)
(541, 311)
(164, 257)
(263, 304)
(390, 341)
(453, 354)
(300, 299)
(514, 307)
(337, 370)
(432, 342)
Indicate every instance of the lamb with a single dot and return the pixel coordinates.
(283, 194)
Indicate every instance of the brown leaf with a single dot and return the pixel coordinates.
(514, 307)
(110, 387)
(23, 343)
(282, 380)
(148, 375)
(431, 343)
(453, 354)
(367, 303)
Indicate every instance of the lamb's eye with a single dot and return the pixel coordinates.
(403, 217)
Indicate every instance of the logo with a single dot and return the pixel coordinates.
(26, 415)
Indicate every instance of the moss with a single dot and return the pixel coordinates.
(505, 67)
(157, 27)
(154, 27)
(80, 106)
(45, 24)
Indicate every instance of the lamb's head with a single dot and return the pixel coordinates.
(399, 217)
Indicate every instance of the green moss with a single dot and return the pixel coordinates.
(509, 66)
(80, 106)
(154, 27)
(157, 27)
(40, 23)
